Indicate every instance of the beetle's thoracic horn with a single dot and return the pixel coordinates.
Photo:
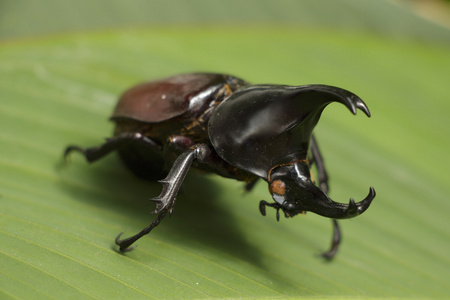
(331, 209)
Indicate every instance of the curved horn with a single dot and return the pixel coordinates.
(278, 123)
(326, 207)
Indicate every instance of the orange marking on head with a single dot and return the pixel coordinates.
(277, 187)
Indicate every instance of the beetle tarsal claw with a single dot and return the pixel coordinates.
(124, 244)
(71, 149)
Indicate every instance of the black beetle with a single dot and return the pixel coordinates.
(222, 124)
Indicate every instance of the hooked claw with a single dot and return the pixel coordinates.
(70, 149)
(125, 243)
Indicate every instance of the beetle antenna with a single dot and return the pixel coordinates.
(262, 208)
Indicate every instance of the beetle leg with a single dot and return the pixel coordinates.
(318, 160)
(250, 184)
(336, 240)
(323, 183)
(173, 181)
(112, 144)
(165, 202)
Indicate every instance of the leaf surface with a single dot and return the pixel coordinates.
(58, 221)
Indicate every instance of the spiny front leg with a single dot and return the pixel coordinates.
(172, 182)
(323, 183)
(165, 202)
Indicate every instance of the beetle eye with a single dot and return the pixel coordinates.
(277, 187)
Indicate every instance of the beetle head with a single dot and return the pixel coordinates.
(294, 192)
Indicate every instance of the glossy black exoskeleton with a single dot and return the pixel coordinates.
(222, 124)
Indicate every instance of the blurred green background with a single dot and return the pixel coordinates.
(62, 66)
(392, 18)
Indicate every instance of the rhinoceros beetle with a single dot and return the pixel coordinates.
(222, 124)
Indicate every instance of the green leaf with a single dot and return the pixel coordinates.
(58, 221)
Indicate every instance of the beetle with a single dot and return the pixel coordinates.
(222, 124)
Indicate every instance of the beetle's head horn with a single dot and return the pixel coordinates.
(294, 192)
